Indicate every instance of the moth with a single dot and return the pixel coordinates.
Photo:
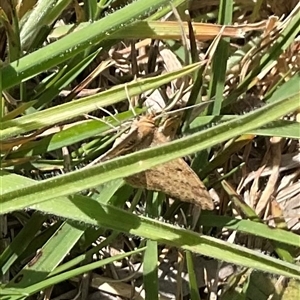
(174, 178)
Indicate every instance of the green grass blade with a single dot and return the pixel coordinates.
(192, 276)
(150, 271)
(85, 105)
(75, 42)
(21, 241)
(252, 227)
(91, 212)
(49, 256)
(124, 166)
(86, 210)
(220, 58)
(31, 289)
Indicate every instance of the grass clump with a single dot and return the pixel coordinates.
(222, 80)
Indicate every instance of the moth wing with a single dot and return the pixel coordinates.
(176, 179)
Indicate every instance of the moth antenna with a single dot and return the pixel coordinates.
(100, 158)
(174, 112)
(103, 120)
(110, 114)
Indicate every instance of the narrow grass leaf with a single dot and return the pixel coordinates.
(255, 228)
(34, 288)
(194, 292)
(55, 53)
(150, 271)
(21, 241)
(83, 209)
(85, 105)
(49, 256)
(124, 166)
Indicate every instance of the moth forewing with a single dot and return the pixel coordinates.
(175, 178)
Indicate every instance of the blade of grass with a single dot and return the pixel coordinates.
(133, 163)
(150, 271)
(251, 227)
(281, 128)
(65, 77)
(32, 289)
(75, 42)
(49, 256)
(44, 13)
(21, 241)
(218, 75)
(192, 276)
(85, 105)
(86, 210)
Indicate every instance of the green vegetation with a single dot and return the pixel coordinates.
(73, 76)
